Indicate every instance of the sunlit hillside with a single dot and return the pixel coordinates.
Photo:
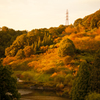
(52, 57)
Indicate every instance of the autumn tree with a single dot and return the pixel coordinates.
(4, 28)
(66, 48)
(20, 54)
(28, 50)
(77, 22)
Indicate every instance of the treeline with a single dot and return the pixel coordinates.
(89, 22)
(34, 42)
(7, 36)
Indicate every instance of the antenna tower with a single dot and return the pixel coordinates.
(67, 20)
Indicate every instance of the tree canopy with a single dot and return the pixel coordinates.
(8, 84)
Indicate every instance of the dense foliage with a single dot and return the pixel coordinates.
(81, 83)
(93, 96)
(66, 48)
(33, 41)
(8, 84)
(95, 74)
(7, 36)
(90, 21)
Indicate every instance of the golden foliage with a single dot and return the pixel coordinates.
(54, 74)
(43, 48)
(70, 30)
(8, 60)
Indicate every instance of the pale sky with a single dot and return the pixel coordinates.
(32, 14)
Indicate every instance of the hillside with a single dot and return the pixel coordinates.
(7, 37)
(52, 57)
(90, 21)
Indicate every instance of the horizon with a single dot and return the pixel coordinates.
(35, 14)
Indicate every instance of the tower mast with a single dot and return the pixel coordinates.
(67, 20)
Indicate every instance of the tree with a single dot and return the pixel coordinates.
(77, 22)
(8, 84)
(95, 74)
(81, 83)
(20, 54)
(28, 50)
(4, 28)
(66, 48)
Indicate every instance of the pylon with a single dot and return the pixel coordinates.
(67, 20)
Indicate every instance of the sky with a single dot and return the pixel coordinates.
(35, 14)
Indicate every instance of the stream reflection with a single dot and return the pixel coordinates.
(27, 94)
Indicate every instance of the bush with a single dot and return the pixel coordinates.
(67, 60)
(93, 96)
(66, 48)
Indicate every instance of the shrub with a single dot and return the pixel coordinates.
(66, 48)
(67, 60)
(93, 96)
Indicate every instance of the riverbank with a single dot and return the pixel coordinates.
(46, 88)
(27, 94)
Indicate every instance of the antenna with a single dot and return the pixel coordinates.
(67, 20)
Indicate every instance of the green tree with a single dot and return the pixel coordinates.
(95, 74)
(66, 48)
(81, 83)
(8, 84)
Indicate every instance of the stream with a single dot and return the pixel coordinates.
(27, 94)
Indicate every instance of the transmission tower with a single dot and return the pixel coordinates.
(67, 20)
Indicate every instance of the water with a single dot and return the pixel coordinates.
(27, 94)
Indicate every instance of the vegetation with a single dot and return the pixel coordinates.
(81, 83)
(63, 58)
(66, 48)
(7, 36)
(93, 96)
(8, 84)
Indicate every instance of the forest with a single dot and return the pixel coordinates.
(64, 58)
